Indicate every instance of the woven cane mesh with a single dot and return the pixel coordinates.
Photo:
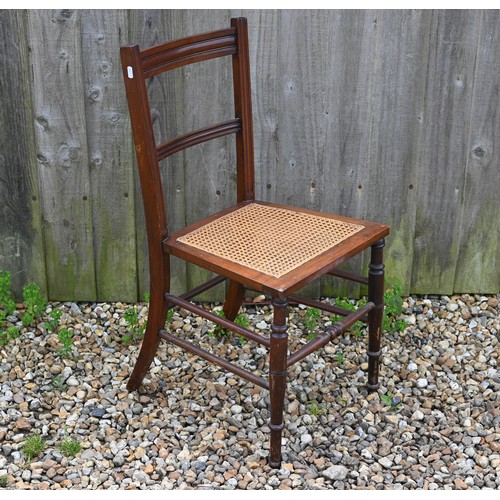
(270, 240)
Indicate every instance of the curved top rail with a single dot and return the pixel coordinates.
(178, 53)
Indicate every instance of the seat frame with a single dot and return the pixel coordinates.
(137, 67)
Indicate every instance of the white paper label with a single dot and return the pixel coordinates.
(130, 72)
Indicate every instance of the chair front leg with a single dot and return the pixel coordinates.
(157, 315)
(277, 377)
(375, 316)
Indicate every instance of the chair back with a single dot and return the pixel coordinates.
(139, 65)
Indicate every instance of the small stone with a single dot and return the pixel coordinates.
(184, 454)
(417, 415)
(306, 438)
(98, 412)
(140, 476)
(51, 473)
(336, 472)
(236, 409)
(261, 325)
(385, 462)
(75, 310)
(422, 382)
(72, 382)
(23, 424)
(391, 418)
(460, 484)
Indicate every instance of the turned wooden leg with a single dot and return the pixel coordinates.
(156, 320)
(277, 378)
(375, 316)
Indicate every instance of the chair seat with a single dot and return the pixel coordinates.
(271, 247)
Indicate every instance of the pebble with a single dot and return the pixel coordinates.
(98, 412)
(336, 472)
(422, 382)
(193, 426)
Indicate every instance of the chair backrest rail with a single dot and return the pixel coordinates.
(174, 57)
(182, 42)
(198, 136)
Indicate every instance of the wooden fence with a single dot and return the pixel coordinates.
(392, 116)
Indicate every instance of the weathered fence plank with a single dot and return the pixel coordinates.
(349, 81)
(148, 28)
(110, 154)
(264, 68)
(450, 79)
(478, 268)
(387, 186)
(58, 97)
(21, 243)
(210, 168)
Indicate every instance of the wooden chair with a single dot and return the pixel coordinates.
(270, 248)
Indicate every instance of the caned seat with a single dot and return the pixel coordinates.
(255, 245)
(272, 248)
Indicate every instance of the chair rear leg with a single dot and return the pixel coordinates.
(375, 316)
(277, 378)
(234, 298)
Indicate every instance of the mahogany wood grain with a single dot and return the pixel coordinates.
(375, 295)
(277, 377)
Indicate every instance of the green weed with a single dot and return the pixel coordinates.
(316, 409)
(57, 382)
(7, 335)
(35, 303)
(340, 358)
(345, 303)
(391, 401)
(66, 338)
(311, 321)
(33, 446)
(69, 447)
(170, 315)
(53, 323)
(136, 331)
(7, 305)
(219, 331)
(3, 481)
(393, 308)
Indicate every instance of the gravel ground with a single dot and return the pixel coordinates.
(194, 426)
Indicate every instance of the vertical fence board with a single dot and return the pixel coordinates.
(149, 28)
(350, 54)
(21, 241)
(210, 168)
(450, 78)
(264, 69)
(478, 268)
(55, 42)
(110, 154)
(302, 43)
(388, 185)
